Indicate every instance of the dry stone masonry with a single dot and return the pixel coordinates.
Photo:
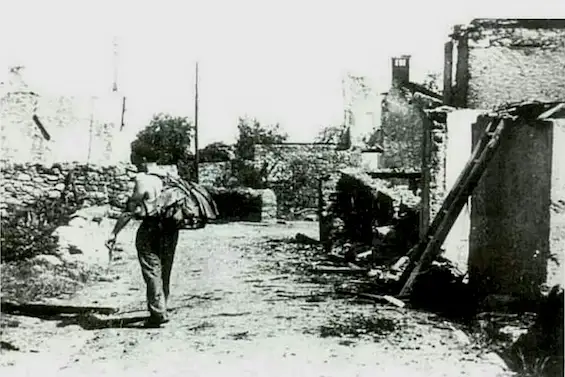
(23, 184)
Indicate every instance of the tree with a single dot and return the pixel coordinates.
(216, 152)
(166, 140)
(331, 135)
(433, 81)
(251, 132)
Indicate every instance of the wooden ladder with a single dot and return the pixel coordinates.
(429, 247)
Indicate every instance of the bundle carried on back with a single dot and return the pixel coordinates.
(187, 203)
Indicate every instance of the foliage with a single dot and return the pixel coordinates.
(251, 132)
(28, 231)
(433, 81)
(166, 140)
(331, 134)
(215, 152)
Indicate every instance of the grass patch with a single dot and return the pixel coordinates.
(26, 281)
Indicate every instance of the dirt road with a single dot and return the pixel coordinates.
(238, 309)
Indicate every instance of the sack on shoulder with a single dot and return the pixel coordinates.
(187, 203)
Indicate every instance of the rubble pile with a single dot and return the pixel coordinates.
(366, 214)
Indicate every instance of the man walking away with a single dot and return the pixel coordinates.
(163, 212)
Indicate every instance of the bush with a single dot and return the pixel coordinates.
(215, 152)
(27, 232)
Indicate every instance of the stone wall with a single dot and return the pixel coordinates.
(24, 184)
(514, 232)
(492, 62)
(362, 108)
(79, 129)
(214, 173)
(402, 132)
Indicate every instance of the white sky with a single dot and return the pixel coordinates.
(280, 61)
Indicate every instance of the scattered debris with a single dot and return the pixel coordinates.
(339, 270)
(304, 239)
(387, 298)
(358, 325)
(8, 346)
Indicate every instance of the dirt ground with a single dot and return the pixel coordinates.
(239, 307)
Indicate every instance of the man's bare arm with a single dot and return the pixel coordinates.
(137, 195)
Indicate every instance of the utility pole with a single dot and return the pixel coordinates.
(115, 65)
(196, 155)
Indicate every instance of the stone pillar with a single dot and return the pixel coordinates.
(269, 205)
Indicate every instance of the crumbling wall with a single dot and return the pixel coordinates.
(80, 129)
(556, 262)
(356, 204)
(23, 184)
(362, 108)
(402, 132)
(501, 61)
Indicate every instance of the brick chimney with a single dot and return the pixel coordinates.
(400, 70)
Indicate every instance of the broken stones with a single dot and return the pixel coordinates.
(27, 183)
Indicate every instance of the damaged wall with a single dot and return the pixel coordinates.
(80, 129)
(556, 263)
(493, 62)
(402, 132)
(517, 212)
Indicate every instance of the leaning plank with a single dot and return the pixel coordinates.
(36, 309)
(433, 246)
(551, 111)
(416, 252)
(339, 270)
(387, 298)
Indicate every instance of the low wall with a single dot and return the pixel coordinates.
(214, 173)
(23, 184)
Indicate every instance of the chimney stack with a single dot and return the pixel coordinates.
(400, 70)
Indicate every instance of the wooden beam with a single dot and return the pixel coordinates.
(417, 251)
(550, 112)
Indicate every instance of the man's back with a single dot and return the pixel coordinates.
(147, 188)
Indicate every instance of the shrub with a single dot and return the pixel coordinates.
(27, 231)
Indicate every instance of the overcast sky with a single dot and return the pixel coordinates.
(280, 61)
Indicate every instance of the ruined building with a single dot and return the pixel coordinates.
(517, 216)
(44, 128)
(402, 119)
